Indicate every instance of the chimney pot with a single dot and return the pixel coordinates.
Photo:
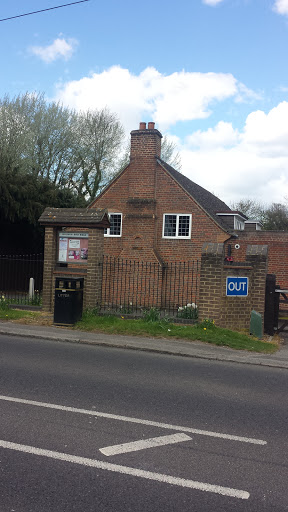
(142, 126)
(151, 126)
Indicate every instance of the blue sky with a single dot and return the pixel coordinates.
(212, 74)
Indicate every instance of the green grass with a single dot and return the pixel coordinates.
(205, 331)
(15, 314)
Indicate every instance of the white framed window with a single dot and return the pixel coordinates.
(238, 223)
(177, 225)
(115, 225)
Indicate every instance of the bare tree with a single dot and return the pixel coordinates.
(96, 155)
(169, 153)
(253, 209)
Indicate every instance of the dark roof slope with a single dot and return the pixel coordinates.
(75, 217)
(210, 203)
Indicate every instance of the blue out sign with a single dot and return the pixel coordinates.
(237, 286)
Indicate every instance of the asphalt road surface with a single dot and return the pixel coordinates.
(86, 428)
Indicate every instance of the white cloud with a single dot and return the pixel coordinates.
(235, 165)
(212, 2)
(281, 6)
(221, 136)
(251, 161)
(59, 49)
(180, 96)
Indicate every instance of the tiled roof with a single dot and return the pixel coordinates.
(75, 217)
(206, 200)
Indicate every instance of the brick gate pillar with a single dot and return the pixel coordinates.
(209, 305)
(232, 312)
(48, 269)
(93, 280)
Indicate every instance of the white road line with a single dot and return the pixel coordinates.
(125, 470)
(143, 444)
(134, 420)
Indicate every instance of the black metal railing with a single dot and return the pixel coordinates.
(15, 273)
(132, 286)
(128, 286)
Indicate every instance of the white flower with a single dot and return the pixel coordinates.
(193, 305)
(189, 305)
(180, 309)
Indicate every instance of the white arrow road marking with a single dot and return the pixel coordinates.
(134, 420)
(125, 470)
(144, 443)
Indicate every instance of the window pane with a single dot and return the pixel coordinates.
(170, 225)
(115, 224)
(184, 221)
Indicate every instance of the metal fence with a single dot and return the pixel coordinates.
(15, 273)
(131, 286)
(128, 286)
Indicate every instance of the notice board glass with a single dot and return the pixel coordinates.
(72, 247)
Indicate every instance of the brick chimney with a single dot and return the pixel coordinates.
(145, 147)
(145, 142)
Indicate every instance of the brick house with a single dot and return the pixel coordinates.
(156, 213)
(159, 215)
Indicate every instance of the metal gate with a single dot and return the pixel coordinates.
(276, 307)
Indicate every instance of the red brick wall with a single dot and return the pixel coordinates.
(171, 198)
(277, 242)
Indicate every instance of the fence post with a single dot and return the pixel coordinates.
(31, 288)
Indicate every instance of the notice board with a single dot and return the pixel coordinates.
(72, 247)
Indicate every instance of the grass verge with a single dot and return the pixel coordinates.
(16, 314)
(205, 331)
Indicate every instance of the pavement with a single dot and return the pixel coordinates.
(174, 347)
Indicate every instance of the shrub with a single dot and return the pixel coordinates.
(127, 309)
(188, 311)
(90, 312)
(151, 315)
(3, 303)
(207, 323)
(36, 300)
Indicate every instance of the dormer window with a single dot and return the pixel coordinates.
(233, 220)
(238, 223)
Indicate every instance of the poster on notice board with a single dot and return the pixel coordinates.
(72, 247)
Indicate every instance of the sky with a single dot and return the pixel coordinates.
(212, 75)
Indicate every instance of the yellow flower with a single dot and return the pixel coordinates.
(204, 328)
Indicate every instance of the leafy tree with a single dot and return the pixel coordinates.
(52, 156)
(23, 199)
(276, 217)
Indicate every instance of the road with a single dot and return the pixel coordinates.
(86, 428)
